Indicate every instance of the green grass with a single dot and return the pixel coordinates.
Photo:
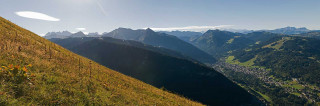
(230, 41)
(313, 58)
(249, 63)
(229, 59)
(278, 44)
(294, 84)
(298, 86)
(295, 93)
(267, 98)
(247, 50)
(258, 42)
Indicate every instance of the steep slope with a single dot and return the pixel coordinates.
(57, 76)
(288, 57)
(163, 40)
(187, 78)
(218, 43)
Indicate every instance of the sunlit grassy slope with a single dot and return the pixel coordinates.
(64, 78)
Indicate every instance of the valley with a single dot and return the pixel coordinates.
(295, 87)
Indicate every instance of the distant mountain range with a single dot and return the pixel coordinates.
(184, 35)
(157, 39)
(190, 35)
(286, 30)
(149, 37)
(289, 30)
(67, 34)
(63, 34)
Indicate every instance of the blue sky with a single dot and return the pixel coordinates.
(106, 15)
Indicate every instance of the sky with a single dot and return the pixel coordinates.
(42, 16)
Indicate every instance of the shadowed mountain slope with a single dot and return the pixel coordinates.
(181, 76)
(162, 40)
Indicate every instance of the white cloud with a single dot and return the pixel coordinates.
(81, 29)
(42, 34)
(86, 33)
(191, 28)
(36, 15)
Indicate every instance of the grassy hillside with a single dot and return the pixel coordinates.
(56, 76)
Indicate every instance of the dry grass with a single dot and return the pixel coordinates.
(65, 78)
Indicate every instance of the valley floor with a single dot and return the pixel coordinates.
(269, 89)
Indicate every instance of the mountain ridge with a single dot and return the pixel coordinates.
(150, 37)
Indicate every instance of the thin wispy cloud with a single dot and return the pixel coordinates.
(36, 15)
(101, 8)
(81, 29)
(191, 28)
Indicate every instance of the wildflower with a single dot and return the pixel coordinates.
(17, 67)
(25, 69)
(10, 66)
(32, 75)
(4, 68)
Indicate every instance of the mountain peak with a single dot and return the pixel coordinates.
(122, 29)
(294, 28)
(149, 30)
(63, 33)
(78, 34)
